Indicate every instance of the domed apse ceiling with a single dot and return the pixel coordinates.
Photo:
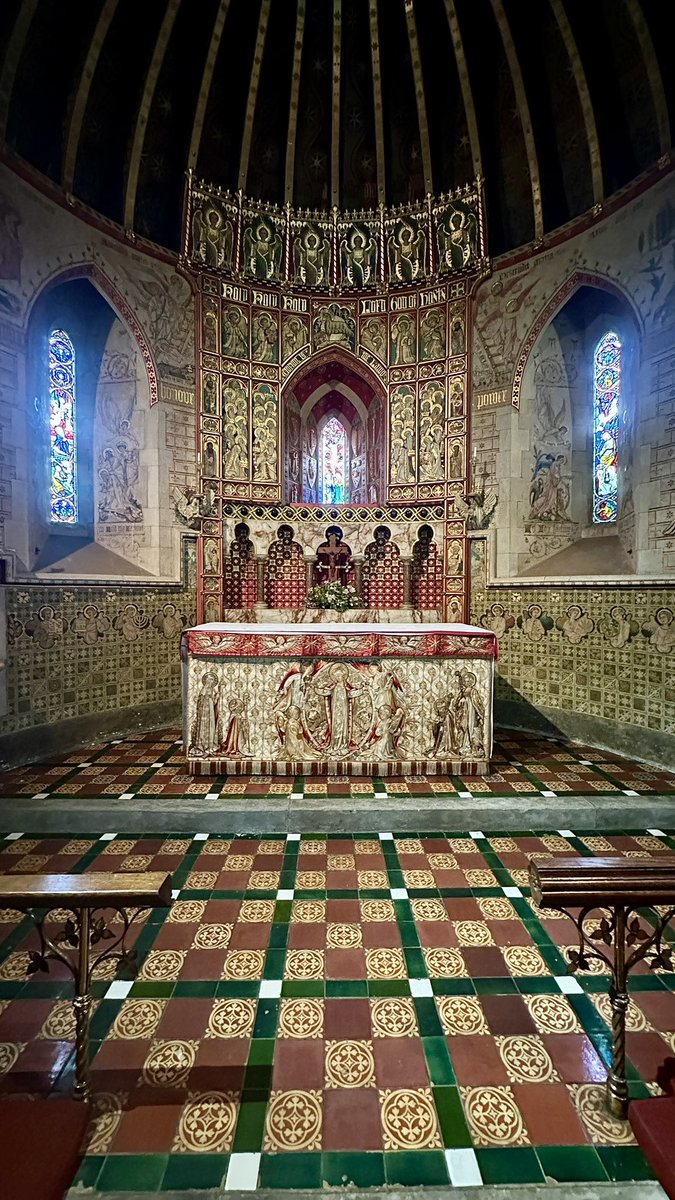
(347, 103)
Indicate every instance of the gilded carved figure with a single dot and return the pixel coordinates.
(264, 338)
(311, 257)
(456, 234)
(294, 335)
(403, 340)
(265, 410)
(432, 333)
(358, 257)
(235, 423)
(212, 236)
(374, 336)
(407, 246)
(334, 325)
(262, 249)
(432, 413)
(402, 455)
(235, 333)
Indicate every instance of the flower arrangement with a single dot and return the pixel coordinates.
(338, 596)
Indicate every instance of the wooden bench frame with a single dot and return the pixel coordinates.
(84, 896)
(622, 886)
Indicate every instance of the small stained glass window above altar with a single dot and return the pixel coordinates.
(63, 508)
(333, 463)
(606, 417)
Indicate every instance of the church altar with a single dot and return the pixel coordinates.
(362, 699)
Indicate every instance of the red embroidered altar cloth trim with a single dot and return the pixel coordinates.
(353, 640)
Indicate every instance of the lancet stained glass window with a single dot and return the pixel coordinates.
(333, 459)
(606, 403)
(62, 443)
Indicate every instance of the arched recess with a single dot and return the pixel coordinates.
(334, 384)
(118, 531)
(551, 514)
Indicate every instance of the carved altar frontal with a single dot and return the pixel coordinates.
(358, 700)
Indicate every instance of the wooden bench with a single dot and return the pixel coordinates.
(126, 894)
(620, 885)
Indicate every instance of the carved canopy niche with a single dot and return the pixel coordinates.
(334, 431)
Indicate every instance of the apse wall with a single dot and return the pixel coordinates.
(92, 622)
(585, 614)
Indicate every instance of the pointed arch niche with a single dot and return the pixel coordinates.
(334, 433)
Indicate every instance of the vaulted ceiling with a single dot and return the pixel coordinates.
(347, 103)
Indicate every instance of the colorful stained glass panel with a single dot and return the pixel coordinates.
(62, 447)
(334, 488)
(606, 403)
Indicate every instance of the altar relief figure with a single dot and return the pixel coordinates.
(382, 572)
(285, 574)
(205, 734)
(333, 559)
(235, 744)
(459, 729)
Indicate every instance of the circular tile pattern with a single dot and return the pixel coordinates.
(106, 1117)
(444, 961)
(308, 912)
(409, 1119)
(340, 862)
(264, 881)
(137, 1018)
(310, 880)
(526, 1059)
(175, 846)
(212, 937)
(244, 964)
(377, 910)
(461, 1015)
(473, 933)
(169, 1063)
(163, 964)
(557, 845)
(271, 847)
(313, 847)
(202, 881)
(15, 965)
(77, 846)
(32, 862)
(603, 1128)
(373, 879)
(479, 879)
(524, 960)
(636, 1020)
(207, 1123)
(293, 1121)
(442, 862)
(255, 911)
(503, 845)
(304, 964)
(119, 846)
(105, 968)
(367, 847)
(9, 1052)
(238, 862)
(186, 912)
(393, 1017)
(10, 916)
(429, 910)
(596, 843)
(409, 846)
(494, 1117)
(343, 935)
(59, 1026)
(349, 1064)
(216, 846)
(552, 1014)
(595, 965)
(385, 963)
(419, 879)
(231, 1018)
(301, 1018)
(493, 908)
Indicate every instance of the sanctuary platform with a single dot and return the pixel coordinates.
(368, 699)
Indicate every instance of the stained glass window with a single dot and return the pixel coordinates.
(62, 445)
(606, 403)
(333, 459)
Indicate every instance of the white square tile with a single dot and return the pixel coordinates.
(512, 892)
(119, 990)
(87, 764)
(630, 792)
(40, 796)
(107, 837)
(201, 837)
(398, 893)
(175, 893)
(13, 837)
(568, 985)
(585, 762)
(285, 893)
(211, 796)
(386, 837)
(464, 795)
(549, 795)
(242, 1173)
(295, 796)
(270, 989)
(178, 742)
(292, 837)
(127, 795)
(116, 742)
(420, 987)
(566, 833)
(463, 1167)
(653, 832)
(156, 764)
(475, 833)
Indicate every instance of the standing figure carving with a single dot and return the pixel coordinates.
(264, 338)
(235, 333)
(403, 343)
(294, 335)
(262, 249)
(311, 257)
(205, 733)
(358, 257)
(407, 251)
(235, 414)
(285, 574)
(432, 333)
(403, 464)
(211, 236)
(265, 452)
(432, 413)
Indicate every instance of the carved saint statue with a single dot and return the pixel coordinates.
(206, 733)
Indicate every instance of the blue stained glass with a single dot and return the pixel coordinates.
(333, 459)
(606, 401)
(62, 445)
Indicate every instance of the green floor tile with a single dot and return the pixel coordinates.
(352, 1169)
(279, 937)
(346, 987)
(415, 962)
(250, 1125)
(571, 1164)
(388, 987)
(416, 1168)
(274, 964)
(185, 1171)
(282, 911)
(509, 1164)
(438, 1060)
(302, 987)
(497, 985)
(624, 1162)
(296, 1170)
(267, 1017)
(88, 1171)
(261, 1052)
(132, 1173)
(453, 987)
(150, 987)
(454, 1129)
(427, 1018)
(195, 987)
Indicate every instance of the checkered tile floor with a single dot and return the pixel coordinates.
(153, 764)
(375, 1008)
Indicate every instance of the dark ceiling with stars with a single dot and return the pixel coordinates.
(347, 103)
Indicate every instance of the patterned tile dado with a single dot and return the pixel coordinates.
(254, 1035)
(600, 652)
(76, 651)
